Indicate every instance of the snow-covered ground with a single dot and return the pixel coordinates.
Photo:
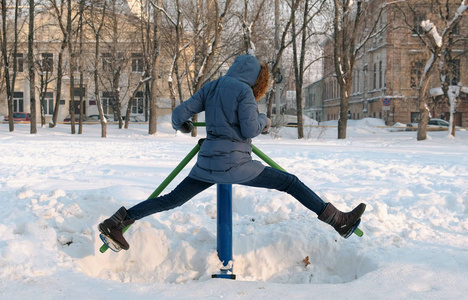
(56, 187)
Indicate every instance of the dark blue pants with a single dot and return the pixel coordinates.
(269, 178)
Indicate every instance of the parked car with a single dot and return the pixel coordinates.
(19, 116)
(77, 119)
(434, 124)
(133, 119)
(438, 122)
(96, 118)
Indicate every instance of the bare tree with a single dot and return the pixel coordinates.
(249, 23)
(153, 117)
(148, 28)
(448, 18)
(95, 21)
(31, 69)
(281, 45)
(9, 78)
(174, 50)
(43, 87)
(436, 36)
(80, 33)
(206, 46)
(309, 11)
(63, 13)
(348, 39)
(117, 42)
(59, 15)
(72, 63)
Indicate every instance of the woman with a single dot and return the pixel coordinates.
(232, 120)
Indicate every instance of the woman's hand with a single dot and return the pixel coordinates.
(267, 127)
(187, 127)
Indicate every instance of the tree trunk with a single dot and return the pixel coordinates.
(72, 68)
(58, 87)
(422, 125)
(153, 116)
(32, 81)
(96, 80)
(9, 85)
(80, 67)
(344, 109)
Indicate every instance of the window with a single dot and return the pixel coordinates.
(380, 75)
(375, 76)
(334, 88)
(47, 62)
(18, 102)
(456, 29)
(77, 91)
(106, 62)
(358, 86)
(415, 117)
(138, 104)
(48, 103)
(416, 72)
(137, 62)
(107, 102)
(454, 67)
(356, 81)
(19, 63)
(418, 18)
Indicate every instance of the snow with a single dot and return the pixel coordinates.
(463, 7)
(57, 187)
(432, 30)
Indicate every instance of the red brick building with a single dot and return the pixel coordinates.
(388, 68)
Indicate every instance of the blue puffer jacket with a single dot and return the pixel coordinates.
(232, 120)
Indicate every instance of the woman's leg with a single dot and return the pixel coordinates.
(112, 227)
(345, 223)
(282, 181)
(185, 191)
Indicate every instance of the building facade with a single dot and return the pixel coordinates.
(313, 107)
(387, 72)
(122, 57)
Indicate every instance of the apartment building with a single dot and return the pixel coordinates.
(122, 56)
(387, 71)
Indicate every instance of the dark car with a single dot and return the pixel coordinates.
(133, 119)
(20, 116)
(96, 118)
(77, 119)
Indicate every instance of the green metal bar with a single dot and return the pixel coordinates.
(266, 159)
(358, 232)
(176, 171)
(272, 164)
(166, 182)
(199, 124)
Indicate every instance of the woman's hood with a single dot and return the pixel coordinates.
(245, 68)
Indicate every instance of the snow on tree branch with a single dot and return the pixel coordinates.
(429, 27)
(463, 7)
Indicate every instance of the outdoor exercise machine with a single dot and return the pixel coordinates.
(224, 209)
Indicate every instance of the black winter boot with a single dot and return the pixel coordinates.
(112, 227)
(344, 223)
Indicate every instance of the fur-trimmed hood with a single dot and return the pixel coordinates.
(245, 69)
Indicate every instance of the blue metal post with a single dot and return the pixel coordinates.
(224, 228)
